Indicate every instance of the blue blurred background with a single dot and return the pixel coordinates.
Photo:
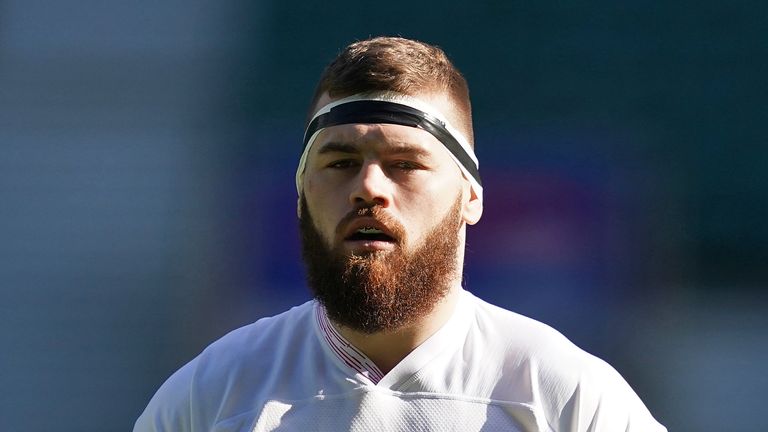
(147, 205)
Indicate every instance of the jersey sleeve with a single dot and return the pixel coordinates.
(603, 401)
(170, 407)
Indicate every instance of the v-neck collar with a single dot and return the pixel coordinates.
(447, 338)
(343, 350)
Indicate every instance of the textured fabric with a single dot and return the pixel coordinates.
(486, 369)
(373, 409)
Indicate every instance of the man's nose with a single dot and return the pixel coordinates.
(372, 186)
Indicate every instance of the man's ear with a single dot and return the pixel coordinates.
(472, 208)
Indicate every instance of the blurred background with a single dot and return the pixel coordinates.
(147, 203)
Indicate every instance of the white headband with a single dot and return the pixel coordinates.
(467, 167)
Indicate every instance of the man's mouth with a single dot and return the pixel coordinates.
(370, 234)
(366, 234)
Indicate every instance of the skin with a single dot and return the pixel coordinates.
(410, 174)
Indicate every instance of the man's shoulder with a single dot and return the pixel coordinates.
(258, 350)
(516, 331)
(566, 381)
(526, 339)
(250, 354)
(271, 333)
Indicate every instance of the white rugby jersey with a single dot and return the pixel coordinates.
(486, 369)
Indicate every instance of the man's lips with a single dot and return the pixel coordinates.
(368, 229)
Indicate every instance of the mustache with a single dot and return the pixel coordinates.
(375, 212)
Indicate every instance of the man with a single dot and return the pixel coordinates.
(387, 183)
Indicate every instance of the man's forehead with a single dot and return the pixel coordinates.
(387, 138)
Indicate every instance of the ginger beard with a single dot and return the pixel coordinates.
(381, 291)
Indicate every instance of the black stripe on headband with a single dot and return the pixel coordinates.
(374, 111)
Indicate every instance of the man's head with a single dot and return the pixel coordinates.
(386, 184)
(399, 65)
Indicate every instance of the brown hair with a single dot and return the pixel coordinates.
(401, 65)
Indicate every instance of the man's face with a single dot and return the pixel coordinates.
(404, 170)
(381, 217)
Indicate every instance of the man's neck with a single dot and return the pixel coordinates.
(387, 349)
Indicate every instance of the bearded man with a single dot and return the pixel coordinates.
(387, 183)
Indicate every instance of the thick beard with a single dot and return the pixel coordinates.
(381, 291)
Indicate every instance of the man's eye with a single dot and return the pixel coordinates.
(343, 163)
(406, 165)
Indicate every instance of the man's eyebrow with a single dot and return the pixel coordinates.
(406, 148)
(337, 147)
(392, 148)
